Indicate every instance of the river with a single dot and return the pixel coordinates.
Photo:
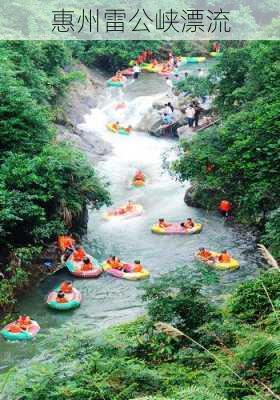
(108, 300)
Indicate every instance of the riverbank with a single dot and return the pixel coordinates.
(26, 264)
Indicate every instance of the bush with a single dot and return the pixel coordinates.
(271, 237)
(250, 302)
(175, 300)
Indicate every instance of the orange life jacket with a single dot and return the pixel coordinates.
(225, 206)
(78, 255)
(14, 328)
(224, 257)
(137, 268)
(24, 321)
(205, 254)
(65, 287)
(87, 267)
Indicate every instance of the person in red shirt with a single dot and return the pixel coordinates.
(225, 208)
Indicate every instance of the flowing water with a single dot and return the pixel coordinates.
(108, 300)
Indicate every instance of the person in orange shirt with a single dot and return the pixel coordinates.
(224, 257)
(15, 328)
(69, 242)
(87, 265)
(116, 126)
(24, 321)
(115, 262)
(162, 223)
(79, 253)
(137, 266)
(204, 253)
(66, 287)
(60, 298)
(189, 224)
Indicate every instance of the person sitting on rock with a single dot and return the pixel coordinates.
(60, 297)
(189, 224)
(79, 253)
(167, 119)
(87, 265)
(66, 287)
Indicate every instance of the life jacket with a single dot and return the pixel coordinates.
(14, 328)
(78, 255)
(65, 242)
(205, 254)
(87, 267)
(65, 287)
(225, 206)
(137, 268)
(224, 257)
(24, 322)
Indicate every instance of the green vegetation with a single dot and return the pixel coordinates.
(44, 186)
(243, 150)
(219, 354)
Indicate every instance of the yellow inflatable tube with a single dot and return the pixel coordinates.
(176, 229)
(127, 273)
(232, 264)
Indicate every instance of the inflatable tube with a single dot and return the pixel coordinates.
(151, 68)
(74, 300)
(116, 83)
(74, 267)
(215, 54)
(110, 215)
(192, 60)
(121, 131)
(29, 334)
(176, 229)
(127, 273)
(232, 264)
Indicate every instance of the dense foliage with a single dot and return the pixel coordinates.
(222, 357)
(243, 150)
(44, 186)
